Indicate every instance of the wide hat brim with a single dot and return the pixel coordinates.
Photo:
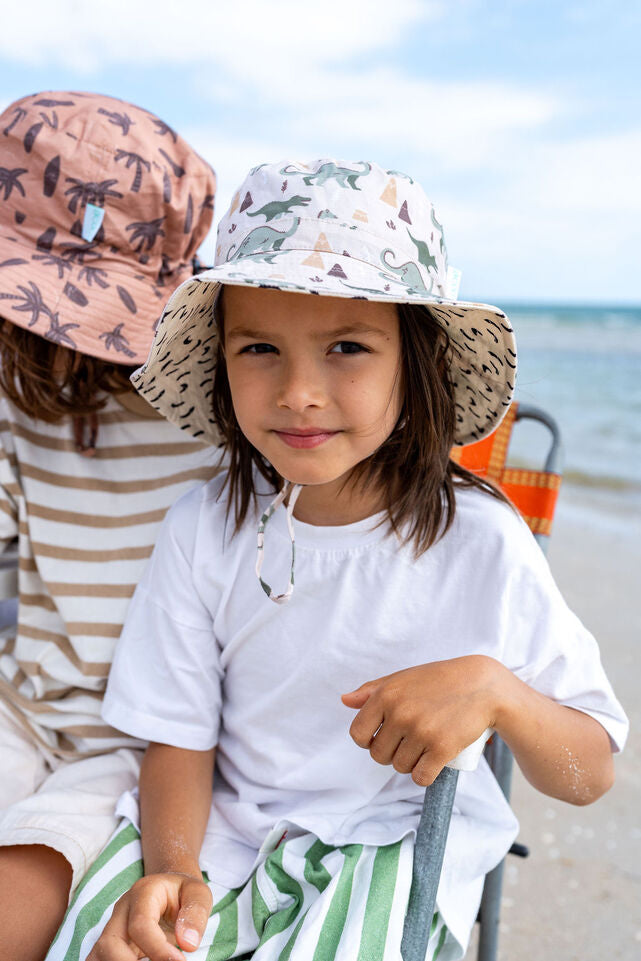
(177, 378)
(104, 310)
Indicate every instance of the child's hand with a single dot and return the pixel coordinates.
(419, 719)
(159, 912)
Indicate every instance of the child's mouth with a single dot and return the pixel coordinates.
(305, 439)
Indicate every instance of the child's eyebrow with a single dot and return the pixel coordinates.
(252, 333)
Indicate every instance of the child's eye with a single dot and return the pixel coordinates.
(348, 347)
(258, 349)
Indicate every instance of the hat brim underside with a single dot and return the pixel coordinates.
(177, 378)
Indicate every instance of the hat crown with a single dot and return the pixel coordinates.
(63, 151)
(331, 210)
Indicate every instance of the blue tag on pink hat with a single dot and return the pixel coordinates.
(94, 217)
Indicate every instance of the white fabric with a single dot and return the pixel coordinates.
(70, 809)
(205, 659)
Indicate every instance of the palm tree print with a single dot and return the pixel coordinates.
(58, 332)
(18, 115)
(50, 260)
(116, 339)
(130, 159)
(10, 181)
(164, 129)
(32, 302)
(177, 169)
(145, 232)
(90, 193)
(121, 120)
(77, 253)
(93, 275)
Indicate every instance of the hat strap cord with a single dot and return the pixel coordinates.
(295, 490)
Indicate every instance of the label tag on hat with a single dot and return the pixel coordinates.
(452, 283)
(94, 217)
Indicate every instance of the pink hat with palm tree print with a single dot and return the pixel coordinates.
(102, 208)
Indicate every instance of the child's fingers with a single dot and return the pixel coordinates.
(427, 768)
(407, 755)
(152, 899)
(357, 698)
(385, 744)
(366, 723)
(114, 943)
(195, 908)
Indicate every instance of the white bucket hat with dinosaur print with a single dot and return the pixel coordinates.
(338, 229)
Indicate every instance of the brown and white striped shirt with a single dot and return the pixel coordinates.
(85, 528)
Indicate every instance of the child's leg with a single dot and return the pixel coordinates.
(49, 839)
(22, 764)
(35, 882)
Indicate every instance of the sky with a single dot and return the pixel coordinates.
(521, 119)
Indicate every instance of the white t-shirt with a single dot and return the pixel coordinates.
(205, 658)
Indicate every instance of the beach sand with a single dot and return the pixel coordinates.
(578, 896)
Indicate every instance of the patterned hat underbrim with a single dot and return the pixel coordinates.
(102, 308)
(177, 379)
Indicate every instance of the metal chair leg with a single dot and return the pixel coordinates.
(500, 759)
(428, 860)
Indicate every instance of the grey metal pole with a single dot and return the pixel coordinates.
(428, 860)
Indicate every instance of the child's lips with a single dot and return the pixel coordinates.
(305, 439)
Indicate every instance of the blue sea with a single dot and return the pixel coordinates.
(583, 366)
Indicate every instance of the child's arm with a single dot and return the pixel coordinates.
(175, 800)
(421, 718)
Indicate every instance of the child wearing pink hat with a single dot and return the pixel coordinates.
(102, 209)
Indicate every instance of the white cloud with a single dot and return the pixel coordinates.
(249, 38)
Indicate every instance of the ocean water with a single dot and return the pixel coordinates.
(583, 366)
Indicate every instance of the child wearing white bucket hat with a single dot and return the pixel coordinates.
(343, 407)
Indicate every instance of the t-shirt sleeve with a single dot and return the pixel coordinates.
(165, 682)
(548, 647)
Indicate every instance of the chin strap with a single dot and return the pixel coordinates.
(295, 490)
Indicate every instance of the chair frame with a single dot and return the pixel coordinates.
(433, 827)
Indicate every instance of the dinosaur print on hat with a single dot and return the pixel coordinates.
(387, 247)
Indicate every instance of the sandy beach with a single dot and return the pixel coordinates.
(578, 896)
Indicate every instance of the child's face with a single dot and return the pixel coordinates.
(315, 381)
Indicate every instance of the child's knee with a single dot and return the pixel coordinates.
(35, 881)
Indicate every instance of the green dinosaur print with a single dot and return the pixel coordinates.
(439, 227)
(409, 273)
(399, 173)
(280, 208)
(343, 176)
(262, 240)
(424, 255)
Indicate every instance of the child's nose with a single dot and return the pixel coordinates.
(301, 386)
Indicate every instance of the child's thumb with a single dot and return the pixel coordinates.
(357, 698)
(195, 908)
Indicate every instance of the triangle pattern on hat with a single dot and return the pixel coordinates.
(322, 243)
(360, 215)
(234, 204)
(314, 260)
(389, 194)
(247, 202)
(403, 213)
(337, 271)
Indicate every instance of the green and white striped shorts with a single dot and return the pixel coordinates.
(306, 901)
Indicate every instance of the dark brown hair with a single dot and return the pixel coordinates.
(26, 364)
(412, 467)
